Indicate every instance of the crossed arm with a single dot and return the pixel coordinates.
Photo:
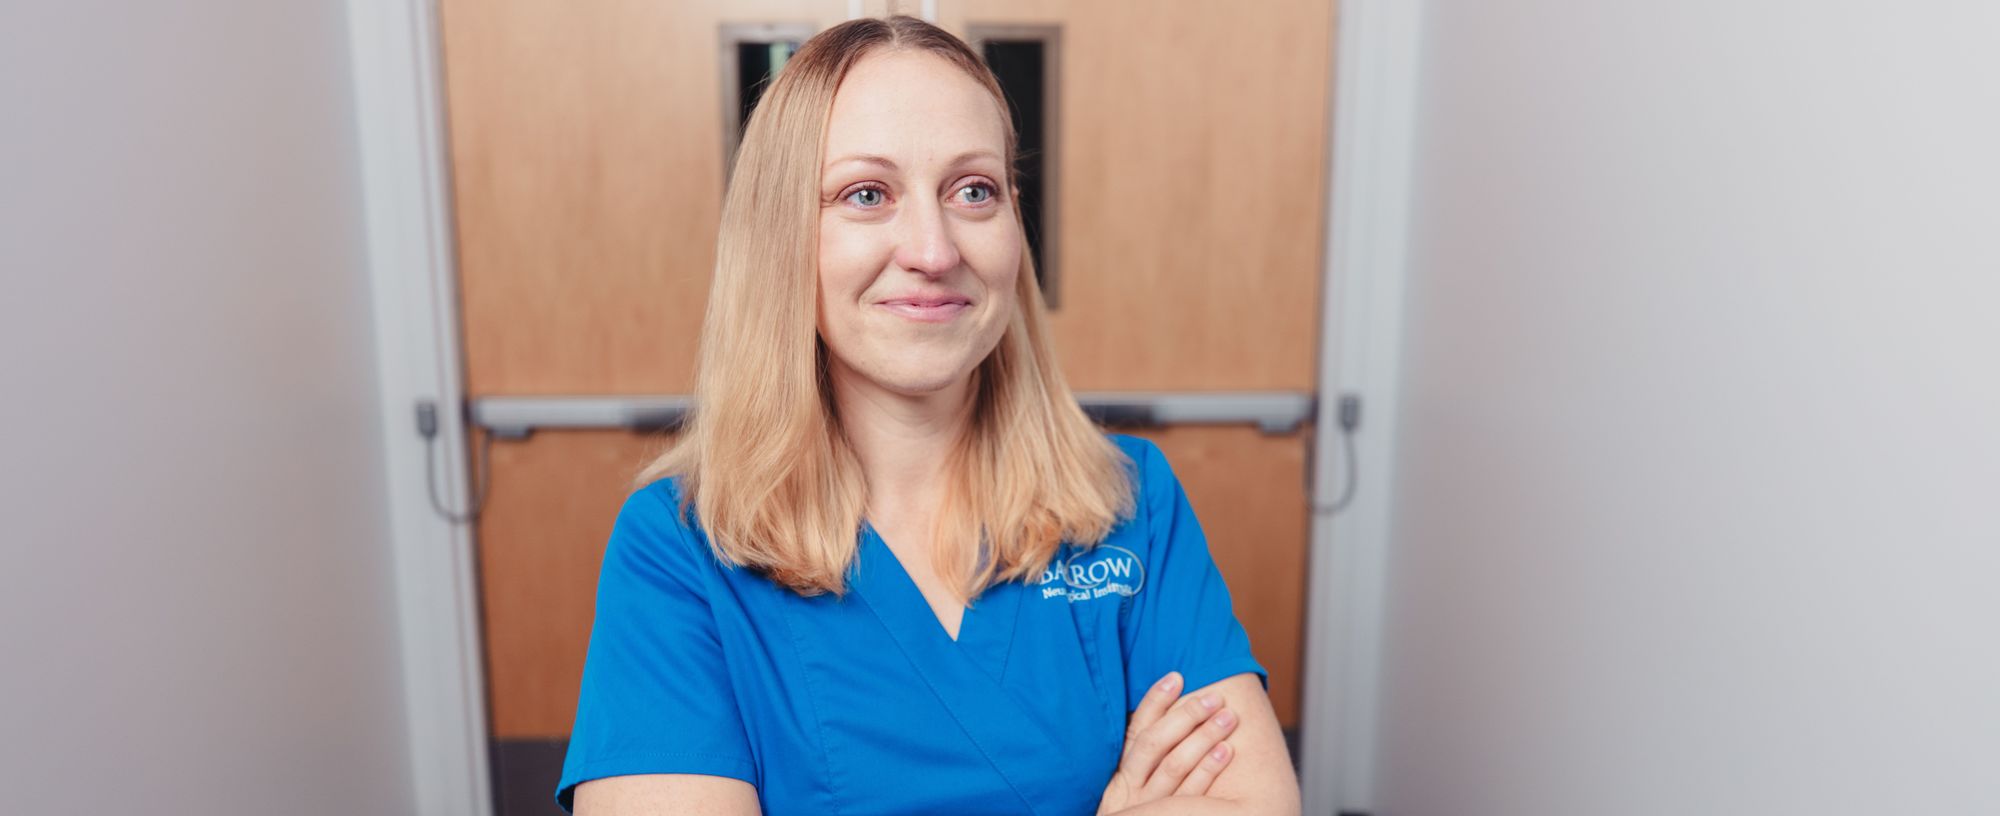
(1257, 780)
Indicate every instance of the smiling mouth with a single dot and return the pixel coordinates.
(942, 312)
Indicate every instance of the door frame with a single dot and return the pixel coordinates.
(406, 193)
(404, 162)
(1374, 88)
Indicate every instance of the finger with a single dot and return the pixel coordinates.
(1154, 704)
(1145, 749)
(1204, 772)
(1187, 755)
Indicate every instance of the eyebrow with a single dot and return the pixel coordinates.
(885, 162)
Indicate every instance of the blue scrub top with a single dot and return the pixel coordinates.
(864, 704)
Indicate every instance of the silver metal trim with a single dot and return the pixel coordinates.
(516, 417)
(1273, 412)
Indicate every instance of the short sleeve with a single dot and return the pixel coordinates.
(1181, 619)
(656, 694)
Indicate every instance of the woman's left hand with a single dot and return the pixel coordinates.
(1172, 748)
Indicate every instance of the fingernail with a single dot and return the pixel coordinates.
(1221, 751)
(1207, 701)
(1168, 682)
(1225, 719)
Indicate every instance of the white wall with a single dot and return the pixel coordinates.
(1698, 500)
(198, 609)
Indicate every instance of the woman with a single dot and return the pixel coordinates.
(891, 567)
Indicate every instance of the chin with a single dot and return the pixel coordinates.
(919, 378)
(919, 386)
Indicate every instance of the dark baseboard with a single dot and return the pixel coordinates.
(525, 773)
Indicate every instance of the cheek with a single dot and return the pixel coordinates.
(848, 261)
(996, 254)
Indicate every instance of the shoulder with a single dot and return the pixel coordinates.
(1133, 446)
(654, 529)
(1156, 490)
(1141, 454)
(657, 507)
(1153, 479)
(657, 501)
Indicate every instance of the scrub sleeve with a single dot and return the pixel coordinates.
(656, 696)
(1181, 620)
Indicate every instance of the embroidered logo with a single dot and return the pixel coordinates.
(1094, 573)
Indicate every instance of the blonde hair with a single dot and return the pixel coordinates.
(762, 458)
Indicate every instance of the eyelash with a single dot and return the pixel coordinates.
(992, 192)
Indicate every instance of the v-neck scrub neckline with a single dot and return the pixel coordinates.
(863, 702)
(891, 584)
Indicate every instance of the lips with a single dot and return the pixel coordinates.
(928, 308)
(928, 301)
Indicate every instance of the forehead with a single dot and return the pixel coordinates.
(913, 107)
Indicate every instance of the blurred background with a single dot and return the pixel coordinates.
(1669, 333)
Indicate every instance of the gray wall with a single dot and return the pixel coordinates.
(1699, 469)
(198, 612)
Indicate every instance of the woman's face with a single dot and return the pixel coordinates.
(918, 244)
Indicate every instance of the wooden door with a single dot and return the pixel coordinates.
(586, 143)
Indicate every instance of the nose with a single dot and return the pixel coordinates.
(926, 246)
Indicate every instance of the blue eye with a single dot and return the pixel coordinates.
(867, 196)
(985, 189)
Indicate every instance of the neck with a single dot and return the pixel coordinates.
(901, 440)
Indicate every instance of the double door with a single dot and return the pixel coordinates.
(1186, 180)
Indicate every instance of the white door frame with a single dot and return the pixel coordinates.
(400, 121)
(1374, 90)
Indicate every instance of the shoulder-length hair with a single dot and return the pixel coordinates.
(762, 460)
